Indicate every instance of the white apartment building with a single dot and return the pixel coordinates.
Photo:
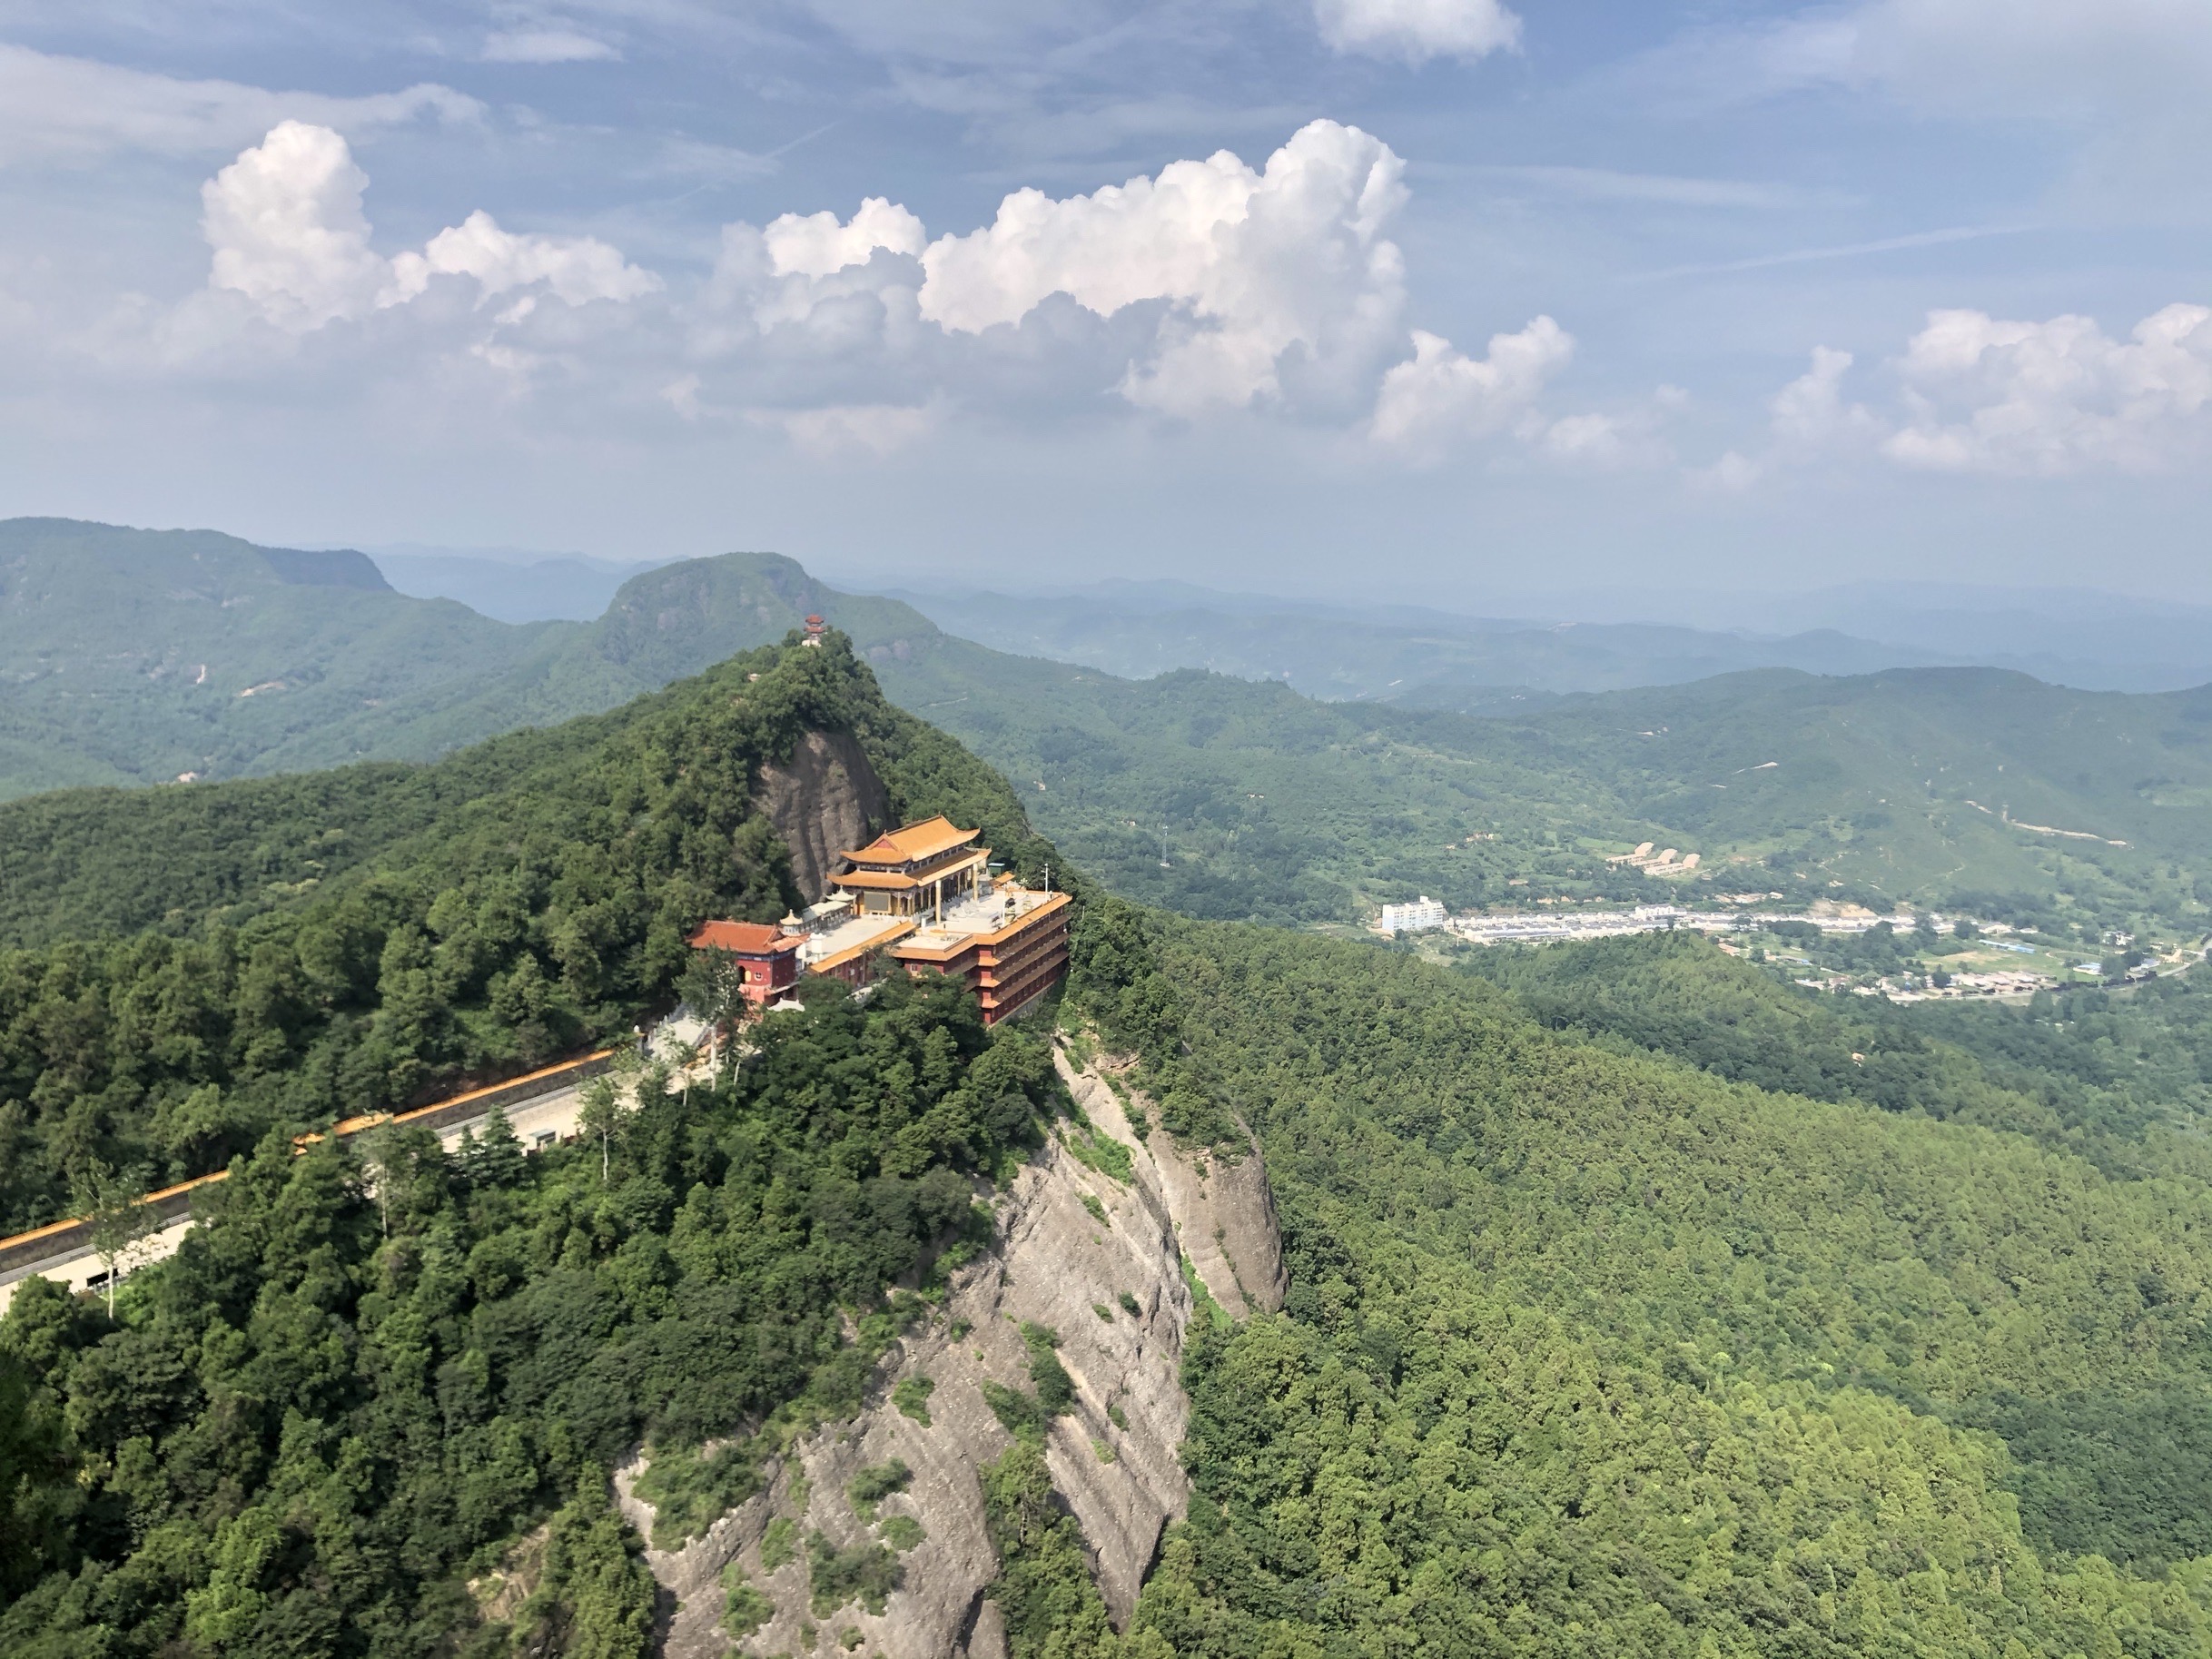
(1421, 916)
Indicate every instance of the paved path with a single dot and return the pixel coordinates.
(539, 1122)
(75, 1270)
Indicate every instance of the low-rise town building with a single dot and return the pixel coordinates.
(1668, 861)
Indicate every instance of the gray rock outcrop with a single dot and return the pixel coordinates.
(1113, 1456)
(1223, 1207)
(826, 799)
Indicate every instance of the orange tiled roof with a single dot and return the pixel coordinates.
(744, 938)
(914, 841)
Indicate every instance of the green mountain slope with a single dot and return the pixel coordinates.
(1273, 805)
(2125, 1081)
(465, 919)
(1586, 1351)
(373, 1371)
(1891, 781)
(1968, 787)
(134, 655)
(662, 626)
(1596, 1341)
(1926, 786)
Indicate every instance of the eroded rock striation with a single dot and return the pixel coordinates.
(825, 800)
(1112, 1291)
(1223, 1209)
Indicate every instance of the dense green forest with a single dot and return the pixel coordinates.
(1640, 1302)
(1588, 1351)
(2122, 1077)
(285, 952)
(307, 1433)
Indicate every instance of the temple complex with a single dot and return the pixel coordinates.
(911, 872)
(925, 896)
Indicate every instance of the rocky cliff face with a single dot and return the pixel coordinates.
(823, 801)
(1223, 1207)
(1113, 1290)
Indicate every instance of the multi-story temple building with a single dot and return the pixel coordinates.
(911, 872)
(766, 958)
(925, 895)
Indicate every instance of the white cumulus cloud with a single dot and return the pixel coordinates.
(1807, 419)
(286, 223)
(1810, 412)
(1209, 287)
(817, 245)
(1441, 394)
(1987, 395)
(1416, 30)
(288, 229)
(575, 269)
(1250, 266)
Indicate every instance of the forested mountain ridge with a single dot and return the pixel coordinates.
(137, 657)
(473, 917)
(1583, 1349)
(1585, 1352)
(371, 1405)
(1580, 1352)
(1971, 788)
(134, 655)
(1963, 786)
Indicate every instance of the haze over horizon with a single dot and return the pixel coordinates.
(1416, 301)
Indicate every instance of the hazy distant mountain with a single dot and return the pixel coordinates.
(2081, 637)
(1393, 654)
(507, 584)
(1603, 640)
(139, 656)
(2070, 635)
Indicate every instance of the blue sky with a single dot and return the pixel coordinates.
(1428, 298)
